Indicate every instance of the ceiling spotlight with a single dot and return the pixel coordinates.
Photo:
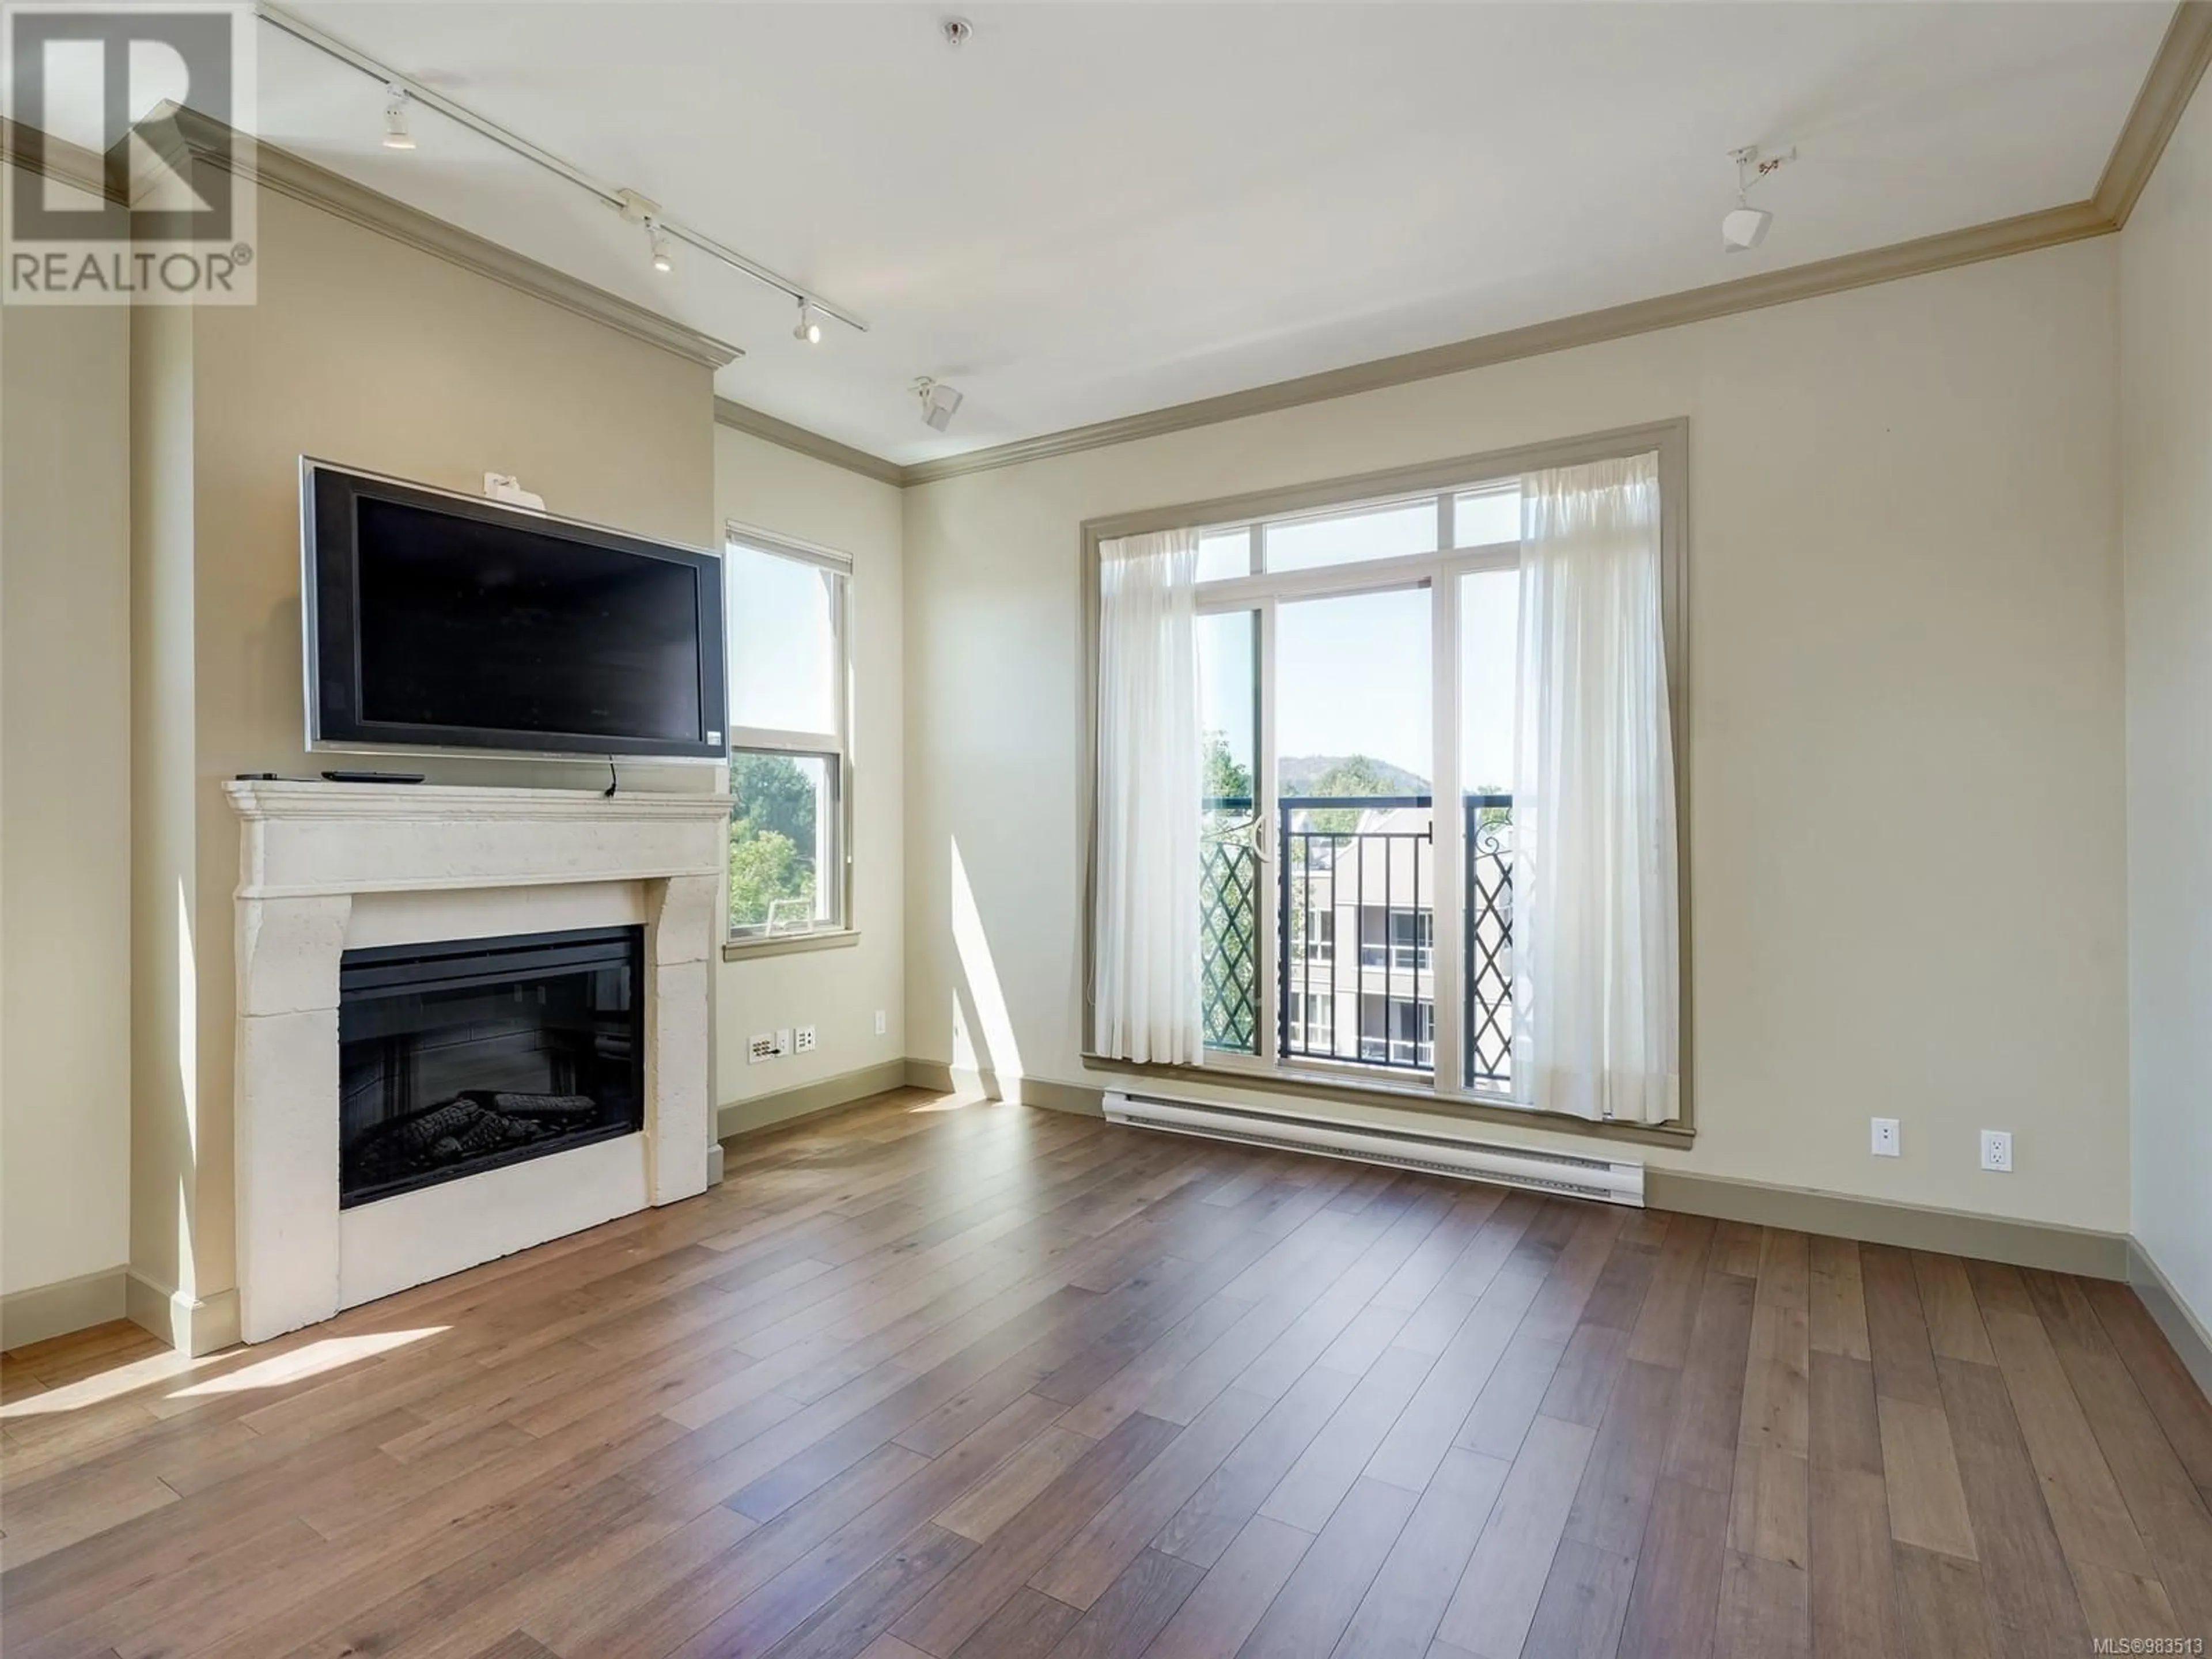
(657, 240)
(939, 403)
(957, 31)
(396, 136)
(1744, 226)
(810, 325)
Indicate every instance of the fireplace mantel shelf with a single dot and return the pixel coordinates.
(317, 798)
(304, 838)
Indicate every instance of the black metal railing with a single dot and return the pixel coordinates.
(1229, 894)
(1356, 932)
(1486, 974)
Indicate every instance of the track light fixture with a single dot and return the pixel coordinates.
(1744, 226)
(939, 403)
(407, 90)
(657, 240)
(810, 325)
(396, 136)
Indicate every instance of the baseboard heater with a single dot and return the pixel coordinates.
(1609, 1180)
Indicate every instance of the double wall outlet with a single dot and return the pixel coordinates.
(1887, 1139)
(1997, 1150)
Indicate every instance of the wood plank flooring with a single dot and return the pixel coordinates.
(927, 1380)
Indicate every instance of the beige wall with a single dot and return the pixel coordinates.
(368, 352)
(2166, 422)
(1905, 718)
(836, 991)
(64, 796)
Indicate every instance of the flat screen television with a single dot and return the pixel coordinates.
(440, 621)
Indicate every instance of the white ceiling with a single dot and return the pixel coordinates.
(1091, 210)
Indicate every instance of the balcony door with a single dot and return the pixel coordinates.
(1355, 703)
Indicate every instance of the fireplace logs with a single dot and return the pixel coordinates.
(468, 1126)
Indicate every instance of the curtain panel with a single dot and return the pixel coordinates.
(1596, 922)
(1145, 969)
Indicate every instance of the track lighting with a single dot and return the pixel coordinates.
(396, 136)
(404, 91)
(810, 325)
(1744, 226)
(939, 403)
(657, 240)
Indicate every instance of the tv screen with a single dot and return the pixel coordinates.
(442, 621)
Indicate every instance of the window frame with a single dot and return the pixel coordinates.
(1439, 572)
(835, 746)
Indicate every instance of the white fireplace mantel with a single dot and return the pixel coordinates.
(323, 866)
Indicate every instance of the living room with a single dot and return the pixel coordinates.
(807, 852)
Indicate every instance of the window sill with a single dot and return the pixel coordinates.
(785, 945)
(1331, 1084)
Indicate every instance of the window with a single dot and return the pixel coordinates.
(1321, 938)
(1358, 669)
(787, 630)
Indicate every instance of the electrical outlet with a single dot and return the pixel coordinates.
(883, 1024)
(783, 1040)
(1997, 1150)
(806, 1039)
(1886, 1137)
(761, 1047)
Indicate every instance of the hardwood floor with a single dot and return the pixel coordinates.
(976, 1381)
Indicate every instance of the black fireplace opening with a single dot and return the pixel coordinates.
(465, 1054)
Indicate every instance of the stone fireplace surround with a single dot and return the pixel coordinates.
(323, 867)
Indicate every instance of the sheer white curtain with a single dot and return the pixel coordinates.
(1597, 998)
(1145, 974)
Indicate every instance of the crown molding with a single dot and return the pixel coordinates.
(799, 440)
(41, 153)
(275, 168)
(2180, 63)
(2046, 228)
(2183, 56)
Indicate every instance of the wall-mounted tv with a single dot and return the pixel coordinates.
(440, 621)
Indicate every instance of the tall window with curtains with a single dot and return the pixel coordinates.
(1385, 790)
(788, 626)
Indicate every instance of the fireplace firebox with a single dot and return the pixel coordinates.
(461, 1056)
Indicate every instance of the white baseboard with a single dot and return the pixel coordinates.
(70, 1304)
(2175, 1318)
(188, 1324)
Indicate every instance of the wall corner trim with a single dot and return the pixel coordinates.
(2183, 56)
(2190, 1340)
(278, 169)
(734, 1119)
(2044, 1244)
(800, 440)
(192, 1326)
(57, 1310)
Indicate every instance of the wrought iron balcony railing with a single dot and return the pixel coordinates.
(1355, 900)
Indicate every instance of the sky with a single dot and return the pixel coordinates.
(1352, 674)
(781, 642)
